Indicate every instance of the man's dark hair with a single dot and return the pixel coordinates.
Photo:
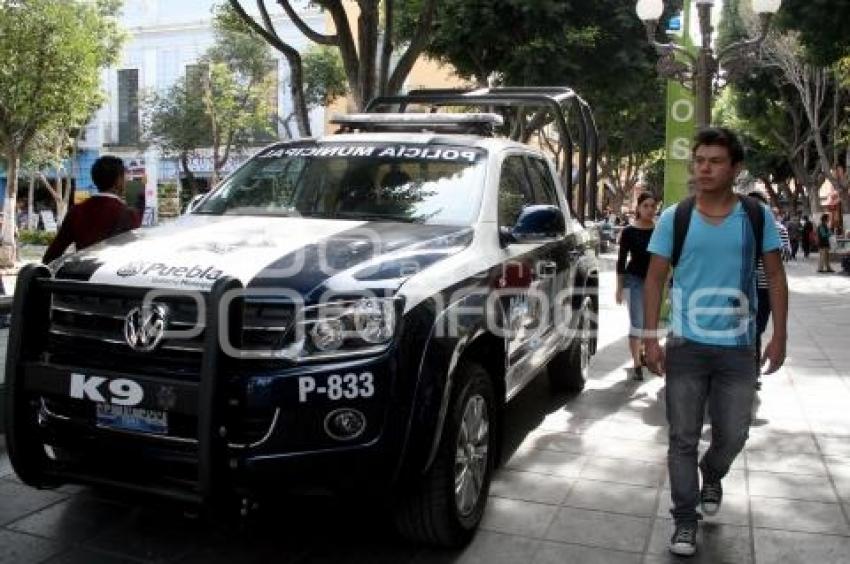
(105, 171)
(720, 137)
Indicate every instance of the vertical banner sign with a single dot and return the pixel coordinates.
(681, 119)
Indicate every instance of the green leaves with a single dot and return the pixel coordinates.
(324, 76)
(52, 54)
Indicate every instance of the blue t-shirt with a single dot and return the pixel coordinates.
(713, 299)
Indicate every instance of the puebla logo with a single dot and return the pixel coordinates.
(131, 269)
(161, 270)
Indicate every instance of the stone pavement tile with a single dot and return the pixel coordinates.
(616, 498)
(791, 486)
(735, 482)
(18, 548)
(547, 462)
(150, 533)
(795, 515)
(776, 441)
(486, 548)
(623, 471)
(716, 544)
(839, 470)
(378, 551)
(619, 430)
(644, 451)
(5, 465)
(834, 445)
(833, 425)
(517, 517)
(785, 462)
(554, 440)
(784, 547)
(734, 511)
(565, 422)
(558, 553)
(528, 486)
(19, 500)
(86, 556)
(785, 424)
(598, 529)
(72, 520)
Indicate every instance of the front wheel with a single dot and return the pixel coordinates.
(446, 506)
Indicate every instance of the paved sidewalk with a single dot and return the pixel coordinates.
(585, 482)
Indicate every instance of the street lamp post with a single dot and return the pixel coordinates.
(700, 72)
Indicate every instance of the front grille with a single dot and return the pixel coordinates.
(88, 330)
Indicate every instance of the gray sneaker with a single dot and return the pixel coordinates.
(684, 540)
(711, 497)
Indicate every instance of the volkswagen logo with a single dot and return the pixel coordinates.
(145, 326)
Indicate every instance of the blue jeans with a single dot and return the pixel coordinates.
(633, 287)
(724, 377)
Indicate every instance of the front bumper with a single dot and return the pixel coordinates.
(227, 431)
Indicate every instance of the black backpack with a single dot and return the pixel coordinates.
(682, 221)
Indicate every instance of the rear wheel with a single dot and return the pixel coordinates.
(569, 368)
(446, 506)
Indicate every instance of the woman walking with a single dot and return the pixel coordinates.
(823, 244)
(632, 264)
(806, 239)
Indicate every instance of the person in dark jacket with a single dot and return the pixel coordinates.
(102, 216)
(634, 240)
(823, 233)
(806, 237)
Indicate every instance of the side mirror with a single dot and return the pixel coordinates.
(538, 224)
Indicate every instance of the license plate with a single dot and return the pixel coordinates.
(132, 418)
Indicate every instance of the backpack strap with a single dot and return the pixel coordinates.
(681, 223)
(756, 215)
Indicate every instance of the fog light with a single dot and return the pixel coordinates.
(345, 424)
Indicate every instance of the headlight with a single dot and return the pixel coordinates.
(354, 327)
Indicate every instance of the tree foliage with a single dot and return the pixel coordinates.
(52, 53)
(223, 104)
(373, 63)
(598, 48)
(792, 110)
(324, 76)
(822, 25)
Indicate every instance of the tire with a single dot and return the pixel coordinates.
(569, 368)
(431, 512)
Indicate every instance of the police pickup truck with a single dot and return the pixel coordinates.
(351, 312)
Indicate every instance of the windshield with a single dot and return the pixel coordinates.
(435, 184)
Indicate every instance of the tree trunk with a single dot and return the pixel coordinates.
(8, 242)
(367, 39)
(190, 178)
(32, 221)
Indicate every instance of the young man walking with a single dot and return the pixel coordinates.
(102, 216)
(710, 351)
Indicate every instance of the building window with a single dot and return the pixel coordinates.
(128, 107)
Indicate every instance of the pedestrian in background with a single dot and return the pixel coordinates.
(783, 234)
(807, 235)
(795, 232)
(634, 240)
(710, 359)
(762, 296)
(100, 217)
(823, 234)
